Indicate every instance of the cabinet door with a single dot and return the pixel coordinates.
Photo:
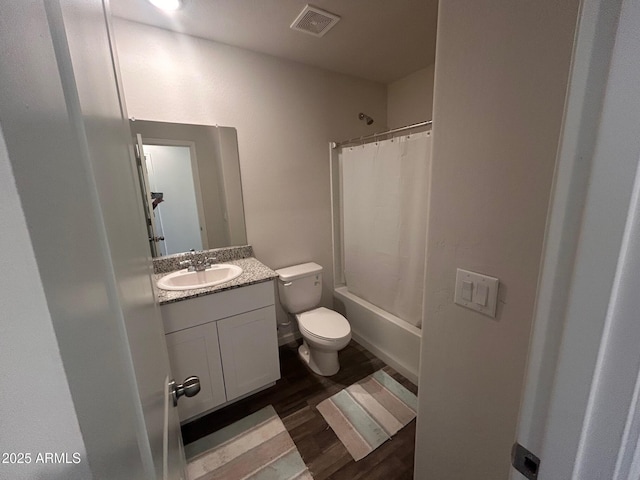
(249, 350)
(194, 351)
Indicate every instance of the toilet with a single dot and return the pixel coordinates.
(324, 331)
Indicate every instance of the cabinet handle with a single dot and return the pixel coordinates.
(288, 284)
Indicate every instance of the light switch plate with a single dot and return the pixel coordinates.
(480, 282)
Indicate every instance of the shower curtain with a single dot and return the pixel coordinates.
(384, 199)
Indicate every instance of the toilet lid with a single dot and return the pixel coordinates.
(324, 323)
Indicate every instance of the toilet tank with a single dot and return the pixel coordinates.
(300, 287)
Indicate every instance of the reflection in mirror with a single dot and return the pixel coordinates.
(191, 188)
(173, 175)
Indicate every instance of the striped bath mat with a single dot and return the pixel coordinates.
(368, 413)
(257, 447)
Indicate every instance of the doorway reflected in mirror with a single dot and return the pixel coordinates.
(190, 186)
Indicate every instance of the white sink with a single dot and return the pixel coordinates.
(186, 280)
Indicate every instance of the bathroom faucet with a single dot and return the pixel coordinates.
(194, 265)
(188, 264)
(202, 265)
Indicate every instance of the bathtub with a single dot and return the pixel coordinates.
(388, 337)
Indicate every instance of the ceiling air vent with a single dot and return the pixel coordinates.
(314, 21)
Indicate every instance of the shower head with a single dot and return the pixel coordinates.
(367, 118)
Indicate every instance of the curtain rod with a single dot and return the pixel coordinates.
(374, 135)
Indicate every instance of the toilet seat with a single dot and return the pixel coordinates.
(323, 324)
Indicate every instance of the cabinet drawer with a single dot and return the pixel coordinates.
(197, 311)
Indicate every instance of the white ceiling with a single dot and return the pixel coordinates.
(379, 40)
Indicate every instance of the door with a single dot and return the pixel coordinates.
(172, 176)
(146, 197)
(133, 308)
(249, 351)
(66, 130)
(580, 409)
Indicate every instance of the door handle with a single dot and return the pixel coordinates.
(188, 388)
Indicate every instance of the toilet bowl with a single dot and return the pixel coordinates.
(324, 332)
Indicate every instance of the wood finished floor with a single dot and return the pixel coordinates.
(295, 397)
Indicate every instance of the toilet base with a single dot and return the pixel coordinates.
(322, 362)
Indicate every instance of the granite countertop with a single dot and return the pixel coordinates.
(253, 272)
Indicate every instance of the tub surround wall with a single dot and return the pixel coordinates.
(410, 99)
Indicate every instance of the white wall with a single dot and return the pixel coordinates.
(285, 114)
(500, 84)
(410, 99)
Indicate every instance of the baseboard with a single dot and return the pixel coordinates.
(288, 338)
(408, 373)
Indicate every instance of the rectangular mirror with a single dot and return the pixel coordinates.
(191, 187)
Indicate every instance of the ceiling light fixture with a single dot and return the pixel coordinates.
(167, 4)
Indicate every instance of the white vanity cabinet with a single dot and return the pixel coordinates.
(247, 349)
(194, 351)
(228, 339)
